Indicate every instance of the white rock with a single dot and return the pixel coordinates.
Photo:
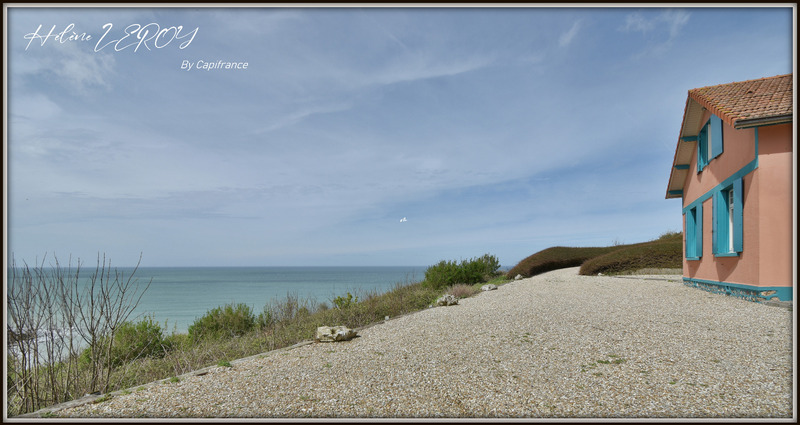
(489, 287)
(518, 277)
(446, 300)
(334, 334)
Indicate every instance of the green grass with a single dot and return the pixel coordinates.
(662, 253)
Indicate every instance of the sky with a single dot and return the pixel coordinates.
(356, 136)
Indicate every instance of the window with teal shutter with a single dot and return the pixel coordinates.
(727, 218)
(694, 233)
(709, 142)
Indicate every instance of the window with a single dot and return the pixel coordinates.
(709, 142)
(694, 233)
(727, 217)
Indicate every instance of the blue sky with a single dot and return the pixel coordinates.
(492, 130)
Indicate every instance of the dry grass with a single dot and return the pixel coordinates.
(462, 290)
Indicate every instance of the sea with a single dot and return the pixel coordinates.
(177, 296)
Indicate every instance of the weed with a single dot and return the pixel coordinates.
(224, 363)
(174, 379)
(105, 397)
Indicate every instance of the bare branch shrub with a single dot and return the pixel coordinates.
(53, 314)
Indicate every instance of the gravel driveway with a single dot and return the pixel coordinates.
(555, 345)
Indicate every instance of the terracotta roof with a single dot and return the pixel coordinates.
(749, 103)
(744, 104)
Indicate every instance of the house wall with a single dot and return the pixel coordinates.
(775, 204)
(766, 258)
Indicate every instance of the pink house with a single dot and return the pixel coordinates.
(733, 172)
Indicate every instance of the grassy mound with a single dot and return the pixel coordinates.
(664, 252)
(558, 257)
(656, 254)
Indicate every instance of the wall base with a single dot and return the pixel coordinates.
(747, 292)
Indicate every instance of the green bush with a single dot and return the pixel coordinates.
(134, 340)
(449, 273)
(343, 303)
(223, 322)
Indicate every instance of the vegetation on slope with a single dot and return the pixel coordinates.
(664, 252)
(140, 352)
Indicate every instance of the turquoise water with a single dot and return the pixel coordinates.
(179, 295)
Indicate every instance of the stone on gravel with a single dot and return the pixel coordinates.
(446, 300)
(334, 334)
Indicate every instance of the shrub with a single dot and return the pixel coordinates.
(343, 303)
(134, 340)
(448, 273)
(228, 321)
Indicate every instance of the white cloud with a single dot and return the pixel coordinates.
(567, 37)
(637, 22)
(675, 20)
(292, 118)
(75, 67)
(670, 20)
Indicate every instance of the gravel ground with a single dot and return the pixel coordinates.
(555, 345)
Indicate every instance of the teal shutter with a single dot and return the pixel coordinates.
(699, 230)
(716, 211)
(738, 224)
(715, 133)
(700, 143)
(689, 234)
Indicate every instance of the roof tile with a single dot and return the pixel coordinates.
(748, 100)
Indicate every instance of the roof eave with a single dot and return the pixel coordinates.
(759, 122)
(690, 127)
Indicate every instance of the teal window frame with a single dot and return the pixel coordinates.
(728, 220)
(709, 142)
(694, 232)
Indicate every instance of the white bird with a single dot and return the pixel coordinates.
(403, 220)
